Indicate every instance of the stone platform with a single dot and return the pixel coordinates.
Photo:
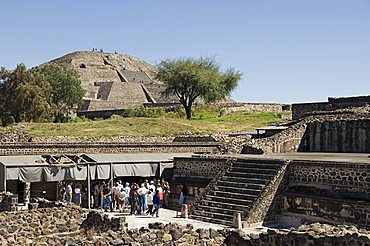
(312, 156)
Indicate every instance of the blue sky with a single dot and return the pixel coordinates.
(288, 51)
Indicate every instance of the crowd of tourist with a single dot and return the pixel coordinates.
(137, 198)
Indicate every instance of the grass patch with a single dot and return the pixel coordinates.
(204, 122)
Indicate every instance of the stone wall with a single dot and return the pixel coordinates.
(254, 107)
(335, 192)
(206, 138)
(72, 226)
(8, 202)
(338, 131)
(305, 235)
(199, 167)
(259, 210)
(299, 110)
(287, 140)
(337, 136)
(26, 227)
(100, 139)
(92, 148)
(13, 136)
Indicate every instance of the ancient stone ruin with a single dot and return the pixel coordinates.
(69, 225)
(313, 175)
(114, 82)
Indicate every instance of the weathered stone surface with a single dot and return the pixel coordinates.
(167, 237)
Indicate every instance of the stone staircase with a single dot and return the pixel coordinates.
(236, 191)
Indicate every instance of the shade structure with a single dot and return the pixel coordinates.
(50, 168)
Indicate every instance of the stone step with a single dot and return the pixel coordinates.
(220, 216)
(260, 161)
(229, 200)
(210, 220)
(243, 196)
(220, 210)
(253, 170)
(237, 189)
(258, 165)
(250, 175)
(245, 185)
(225, 205)
(245, 180)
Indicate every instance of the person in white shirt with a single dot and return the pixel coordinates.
(152, 186)
(127, 189)
(68, 194)
(121, 200)
(142, 191)
(116, 191)
(149, 201)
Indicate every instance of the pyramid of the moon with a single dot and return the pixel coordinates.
(114, 81)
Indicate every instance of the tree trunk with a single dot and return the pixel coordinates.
(188, 112)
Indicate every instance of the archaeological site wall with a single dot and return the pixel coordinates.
(324, 191)
(299, 110)
(335, 131)
(337, 136)
(309, 191)
(254, 107)
(92, 148)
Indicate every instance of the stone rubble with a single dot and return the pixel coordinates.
(70, 225)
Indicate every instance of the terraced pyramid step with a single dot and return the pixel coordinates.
(220, 210)
(257, 165)
(260, 161)
(243, 196)
(237, 189)
(225, 205)
(245, 180)
(250, 175)
(228, 199)
(220, 216)
(253, 170)
(241, 185)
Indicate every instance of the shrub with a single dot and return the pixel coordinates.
(144, 112)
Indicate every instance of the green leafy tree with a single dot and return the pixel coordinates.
(23, 96)
(43, 94)
(66, 92)
(190, 79)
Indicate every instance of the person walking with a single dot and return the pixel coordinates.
(182, 197)
(142, 192)
(96, 195)
(149, 200)
(157, 203)
(121, 200)
(68, 192)
(107, 198)
(127, 190)
(77, 194)
(102, 186)
(166, 193)
(134, 196)
(116, 191)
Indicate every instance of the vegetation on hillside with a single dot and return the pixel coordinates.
(205, 121)
(190, 79)
(50, 94)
